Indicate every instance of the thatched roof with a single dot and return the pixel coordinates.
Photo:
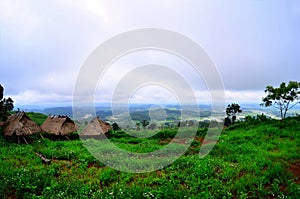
(20, 124)
(96, 127)
(59, 125)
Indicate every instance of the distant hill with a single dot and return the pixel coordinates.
(140, 112)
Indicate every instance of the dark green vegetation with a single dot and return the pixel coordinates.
(258, 158)
(232, 110)
(6, 105)
(283, 97)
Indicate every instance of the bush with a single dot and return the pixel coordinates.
(118, 134)
(257, 119)
(201, 132)
(166, 133)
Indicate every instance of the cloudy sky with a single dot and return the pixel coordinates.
(43, 45)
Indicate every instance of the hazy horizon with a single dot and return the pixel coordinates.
(108, 105)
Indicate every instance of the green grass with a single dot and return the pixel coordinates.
(39, 118)
(250, 160)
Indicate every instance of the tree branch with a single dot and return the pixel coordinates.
(293, 105)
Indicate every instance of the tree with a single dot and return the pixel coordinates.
(115, 126)
(6, 105)
(282, 98)
(227, 122)
(138, 126)
(145, 123)
(1, 92)
(232, 110)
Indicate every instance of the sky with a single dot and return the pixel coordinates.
(44, 44)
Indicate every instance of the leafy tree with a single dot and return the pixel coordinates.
(145, 123)
(6, 105)
(231, 111)
(115, 126)
(227, 122)
(282, 98)
(138, 126)
(1, 92)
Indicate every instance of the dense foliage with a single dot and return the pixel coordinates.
(6, 105)
(282, 98)
(232, 110)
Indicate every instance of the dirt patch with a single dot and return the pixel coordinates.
(63, 163)
(282, 187)
(180, 141)
(174, 140)
(203, 141)
(184, 141)
(199, 139)
(295, 170)
(12, 195)
(207, 142)
(163, 142)
(241, 174)
(95, 165)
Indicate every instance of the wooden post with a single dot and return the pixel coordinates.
(67, 137)
(44, 160)
(24, 139)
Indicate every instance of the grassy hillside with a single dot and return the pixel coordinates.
(38, 118)
(255, 159)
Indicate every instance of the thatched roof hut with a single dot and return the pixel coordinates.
(96, 127)
(58, 125)
(20, 124)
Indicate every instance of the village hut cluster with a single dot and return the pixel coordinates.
(21, 125)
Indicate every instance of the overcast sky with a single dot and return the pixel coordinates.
(43, 44)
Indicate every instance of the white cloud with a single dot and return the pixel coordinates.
(94, 7)
(244, 96)
(34, 97)
(147, 94)
(18, 19)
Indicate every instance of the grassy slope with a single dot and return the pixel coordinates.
(250, 160)
(39, 118)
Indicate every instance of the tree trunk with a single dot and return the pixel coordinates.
(284, 113)
(281, 115)
(25, 139)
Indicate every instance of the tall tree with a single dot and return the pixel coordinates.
(144, 123)
(138, 126)
(115, 126)
(6, 105)
(1, 92)
(232, 110)
(283, 97)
